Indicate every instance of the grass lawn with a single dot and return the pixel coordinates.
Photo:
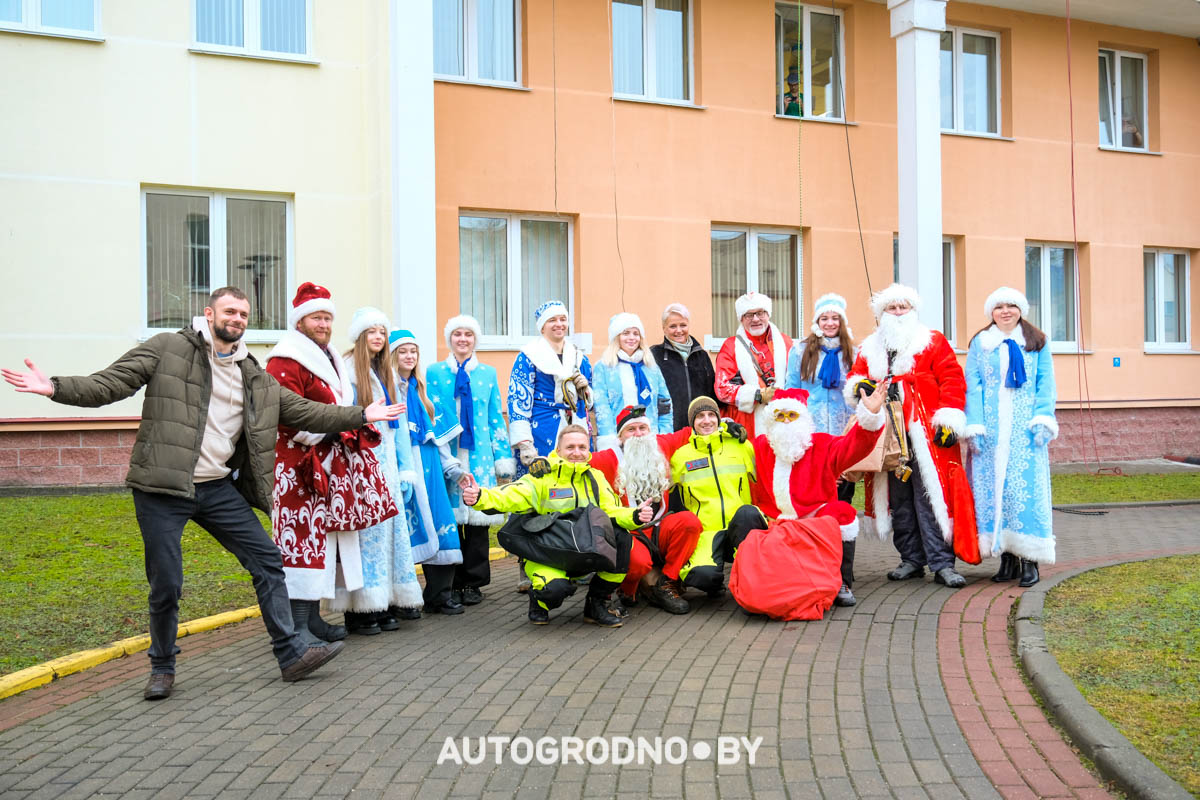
(1129, 636)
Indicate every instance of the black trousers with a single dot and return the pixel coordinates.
(915, 529)
(439, 580)
(222, 511)
(475, 569)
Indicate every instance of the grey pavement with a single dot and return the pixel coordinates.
(851, 706)
(1144, 466)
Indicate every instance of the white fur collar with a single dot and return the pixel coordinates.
(634, 358)
(875, 353)
(546, 360)
(303, 350)
(781, 483)
(745, 361)
(992, 337)
(452, 362)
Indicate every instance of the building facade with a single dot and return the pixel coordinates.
(485, 155)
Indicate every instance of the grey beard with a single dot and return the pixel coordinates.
(897, 332)
(643, 474)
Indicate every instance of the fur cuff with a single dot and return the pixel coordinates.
(1050, 422)
(971, 431)
(848, 389)
(408, 476)
(506, 468)
(745, 398)
(519, 431)
(952, 418)
(868, 421)
(607, 442)
(850, 532)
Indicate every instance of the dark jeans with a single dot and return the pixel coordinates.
(475, 569)
(915, 529)
(219, 509)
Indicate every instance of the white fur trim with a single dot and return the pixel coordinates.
(971, 431)
(335, 374)
(607, 442)
(1004, 415)
(881, 523)
(874, 353)
(628, 383)
(745, 365)
(953, 418)
(745, 398)
(365, 318)
(781, 484)
(1008, 295)
(848, 389)
(297, 313)
(519, 431)
(407, 476)
(850, 532)
(623, 321)
(1032, 548)
(897, 291)
(546, 360)
(992, 337)
(505, 467)
(830, 302)
(1050, 422)
(929, 477)
(452, 363)
(868, 421)
(465, 515)
(462, 321)
(374, 598)
(751, 301)
(548, 310)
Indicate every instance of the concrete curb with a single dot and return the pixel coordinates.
(1117, 759)
(41, 674)
(1132, 504)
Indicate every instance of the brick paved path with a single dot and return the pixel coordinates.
(913, 693)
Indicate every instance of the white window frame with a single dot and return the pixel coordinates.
(31, 22)
(1058, 346)
(513, 339)
(649, 72)
(1158, 345)
(956, 50)
(949, 289)
(218, 269)
(1114, 98)
(713, 343)
(806, 85)
(252, 32)
(470, 46)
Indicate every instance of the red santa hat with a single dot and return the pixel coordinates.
(629, 414)
(788, 400)
(310, 298)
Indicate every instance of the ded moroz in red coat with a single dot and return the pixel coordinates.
(933, 389)
(737, 378)
(324, 493)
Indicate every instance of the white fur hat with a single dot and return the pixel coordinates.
(548, 309)
(364, 318)
(310, 298)
(462, 321)
(895, 292)
(830, 302)
(1005, 294)
(752, 301)
(623, 322)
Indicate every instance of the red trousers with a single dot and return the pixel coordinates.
(677, 538)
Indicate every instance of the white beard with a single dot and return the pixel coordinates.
(897, 332)
(643, 473)
(790, 440)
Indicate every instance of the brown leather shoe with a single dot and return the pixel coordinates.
(159, 686)
(312, 660)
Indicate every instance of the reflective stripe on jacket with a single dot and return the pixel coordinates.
(565, 487)
(713, 474)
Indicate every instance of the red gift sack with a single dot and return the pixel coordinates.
(792, 570)
(966, 535)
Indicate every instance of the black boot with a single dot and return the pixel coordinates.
(300, 614)
(537, 614)
(845, 597)
(322, 629)
(362, 624)
(595, 606)
(1029, 573)
(1008, 569)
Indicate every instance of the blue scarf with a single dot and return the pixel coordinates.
(830, 373)
(418, 421)
(387, 398)
(640, 381)
(466, 407)
(1015, 377)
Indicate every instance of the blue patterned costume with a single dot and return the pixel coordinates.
(536, 408)
(614, 388)
(1009, 468)
(828, 407)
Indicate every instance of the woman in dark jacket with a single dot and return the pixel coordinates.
(687, 368)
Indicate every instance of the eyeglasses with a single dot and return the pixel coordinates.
(756, 315)
(786, 415)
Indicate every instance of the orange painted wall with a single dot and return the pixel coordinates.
(675, 171)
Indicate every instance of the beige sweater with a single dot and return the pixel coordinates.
(224, 424)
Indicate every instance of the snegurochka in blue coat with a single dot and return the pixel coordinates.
(1010, 423)
(627, 375)
(463, 389)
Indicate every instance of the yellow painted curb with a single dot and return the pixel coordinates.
(41, 674)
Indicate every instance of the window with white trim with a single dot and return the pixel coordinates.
(268, 28)
(809, 80)
(196, 241)
(949, 293)
(508, 265)
(652, 49)
(970, 81)
(1168, 316)
(755, 260)
(1051, 275)
(67, 17)
(1123, 92)
(477, 40)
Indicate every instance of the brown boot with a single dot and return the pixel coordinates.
(665, 594)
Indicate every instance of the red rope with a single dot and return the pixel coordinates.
(1083, 390)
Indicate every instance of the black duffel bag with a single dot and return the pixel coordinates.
(578, 541)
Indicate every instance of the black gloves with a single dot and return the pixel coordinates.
(944, 437)
(736, 430)
(865, 383)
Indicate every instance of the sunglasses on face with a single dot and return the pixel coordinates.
(786, 415)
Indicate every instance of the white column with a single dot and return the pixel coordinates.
(412, 184)
(917, 26)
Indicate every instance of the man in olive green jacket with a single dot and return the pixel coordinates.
(205, 451)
